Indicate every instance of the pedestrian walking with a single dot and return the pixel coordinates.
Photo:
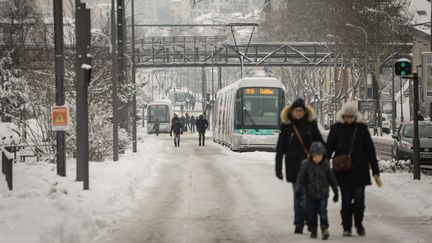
(354, 154)
(315, 177)
(183, 122)
(298, 130)
(201, 125)
(156, 126)
(177, 128)
(192, 124)
(187, 122)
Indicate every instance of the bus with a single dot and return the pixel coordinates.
(163, 110)
(246, 114)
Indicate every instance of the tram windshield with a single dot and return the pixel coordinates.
(258, 108)
(158, 111)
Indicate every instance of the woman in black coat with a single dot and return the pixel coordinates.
(301, 117)
(353, 181)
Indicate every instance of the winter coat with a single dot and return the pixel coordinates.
(363, 154)
(188, 119)
(201, 125)
(192, 121)
(176, 126)
(316, 179)
(156, 124)
(289, 145)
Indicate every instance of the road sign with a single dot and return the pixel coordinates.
(59, 118)
(367, 105)
(427, 76)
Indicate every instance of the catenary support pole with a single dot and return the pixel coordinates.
(134, 98)
(78, 63)
(114, 76)
(416, 142)
(60, 92)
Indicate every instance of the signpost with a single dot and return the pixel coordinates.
(59, 118)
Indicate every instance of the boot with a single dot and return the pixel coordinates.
(298, 230)
(346, 233)
(325, 233)
(314, 233)
(358, 220)
(361, 230)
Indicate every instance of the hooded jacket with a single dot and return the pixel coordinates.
(316, 178)
(363, 155)
(288, 144)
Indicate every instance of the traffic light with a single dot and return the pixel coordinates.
(403, 67)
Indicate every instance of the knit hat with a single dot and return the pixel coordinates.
(298, 103)
(317, 148)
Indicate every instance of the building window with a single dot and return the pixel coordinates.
(421, 12)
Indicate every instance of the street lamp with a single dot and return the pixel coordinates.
(371, 10)
(366, 55)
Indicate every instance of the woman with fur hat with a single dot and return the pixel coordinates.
(349, 136)
(298, 130)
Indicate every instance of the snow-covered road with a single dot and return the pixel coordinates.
(210, 194)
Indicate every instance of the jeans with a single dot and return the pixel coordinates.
(315, 207)
(177, 140)
(201, 138)
(353, 203)
(299, 208)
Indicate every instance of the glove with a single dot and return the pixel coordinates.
(279, 175)
(336, 198)
(378, 181)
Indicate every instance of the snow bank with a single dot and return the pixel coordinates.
(412, 198)
(46, 208)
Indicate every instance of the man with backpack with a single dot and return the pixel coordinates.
(201, 125)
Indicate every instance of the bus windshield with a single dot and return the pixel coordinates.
(260, 108)
(158, 111)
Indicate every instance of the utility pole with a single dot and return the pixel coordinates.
(416, 142)
(83, 26)
(120, 45)
(134, 100)
(78, 63)
(60, 92)
(219, 78)
(203, 90)
(114, 75)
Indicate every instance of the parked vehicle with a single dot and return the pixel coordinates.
(403, 142)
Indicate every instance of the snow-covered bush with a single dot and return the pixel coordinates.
(393, 166)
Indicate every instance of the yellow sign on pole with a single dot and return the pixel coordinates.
(59, 118)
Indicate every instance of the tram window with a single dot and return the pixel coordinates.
(261, 109)
(158, 111)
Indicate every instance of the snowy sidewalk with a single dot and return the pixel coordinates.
(45, 208)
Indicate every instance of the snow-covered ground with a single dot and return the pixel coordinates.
(46, 208)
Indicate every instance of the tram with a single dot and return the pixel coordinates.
(246, 114)
(163, 110)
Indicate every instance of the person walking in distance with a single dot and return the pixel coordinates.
(315, 177)
(177, 128)
(354, 155)
(156, 126)
(298, 130)
(201, 125)
(187, 120)
(192, 124)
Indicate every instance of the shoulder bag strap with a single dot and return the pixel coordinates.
(353, 140)
(301, 140)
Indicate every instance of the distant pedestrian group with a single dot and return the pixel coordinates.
(185, 122)
(308, 166)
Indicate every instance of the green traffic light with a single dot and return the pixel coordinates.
(403, 64)
(403, 73)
